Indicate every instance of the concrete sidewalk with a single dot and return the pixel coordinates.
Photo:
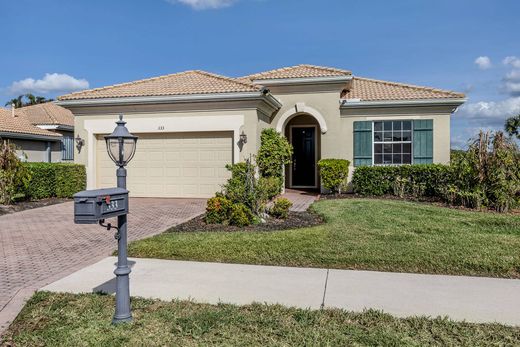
(474, 299)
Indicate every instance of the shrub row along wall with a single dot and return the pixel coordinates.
(425, 179)
(55, 180)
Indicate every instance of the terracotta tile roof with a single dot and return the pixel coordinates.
(183, 83)
(298, 71)
(21, 125)
(367, 89)
(48, 114)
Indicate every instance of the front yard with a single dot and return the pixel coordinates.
(51, 319)
(365, 234)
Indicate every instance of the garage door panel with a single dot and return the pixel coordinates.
(172, 164)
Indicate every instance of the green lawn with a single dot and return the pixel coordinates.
(368, 234)
(51, 319)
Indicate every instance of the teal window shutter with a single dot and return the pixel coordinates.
(423, 141)
(362, 143)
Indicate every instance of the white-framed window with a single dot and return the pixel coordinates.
(392, 142)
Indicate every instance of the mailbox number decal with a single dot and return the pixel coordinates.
(112, 206)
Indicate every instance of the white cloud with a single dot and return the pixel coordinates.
(483, 62)
(490, 113)
(512, 82)
(483, 115)
(512, 61)
(51, 82)
(204, 4)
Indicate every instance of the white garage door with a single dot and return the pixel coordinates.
(172, 164)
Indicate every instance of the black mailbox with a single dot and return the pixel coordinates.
(91, 206)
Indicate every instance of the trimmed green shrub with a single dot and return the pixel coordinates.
(334, 174)
(418, 180)
(217, 210)
(280, 208)
(43, 180)
(60, 180)
(14, 177)
(70, 179)
(274, 152)
(240, 215)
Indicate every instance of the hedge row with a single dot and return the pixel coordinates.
(55, 180)
(381, 180)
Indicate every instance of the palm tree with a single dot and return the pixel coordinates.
(512, 126)
(27, 100)
(17, 102)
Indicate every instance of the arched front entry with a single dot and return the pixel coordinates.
(304, 133)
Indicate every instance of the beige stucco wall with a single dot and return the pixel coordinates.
(36, 151)
(336, 142)
(161, 119)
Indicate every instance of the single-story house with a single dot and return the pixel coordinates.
(191, 124)
(57, 119)
(42, 132)
(32, 143)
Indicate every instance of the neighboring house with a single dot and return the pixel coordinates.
(57, 119)
(33, 143)
(191, 124)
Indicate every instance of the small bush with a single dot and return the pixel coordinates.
(274, 152)
(269, 187)
(240, 215)
(241, 187)
(217, 210)
(14, 177)
(280, 208)
(334, 174)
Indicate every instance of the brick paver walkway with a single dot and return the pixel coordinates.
(41, 245)
(301, 199)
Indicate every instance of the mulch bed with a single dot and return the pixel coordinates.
(27, 205)
(294, 220)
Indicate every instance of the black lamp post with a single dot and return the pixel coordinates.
(121, 147)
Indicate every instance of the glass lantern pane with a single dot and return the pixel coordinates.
(128, 149)
(113, 149)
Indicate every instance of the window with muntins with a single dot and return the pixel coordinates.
(392, 142)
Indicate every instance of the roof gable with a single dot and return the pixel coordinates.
(183, 83)
(48, 114)
(298, 71)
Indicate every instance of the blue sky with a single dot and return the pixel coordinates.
(53, 47)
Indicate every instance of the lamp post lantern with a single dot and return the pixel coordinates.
(121, 147)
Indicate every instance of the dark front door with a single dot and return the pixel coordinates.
(304, 158)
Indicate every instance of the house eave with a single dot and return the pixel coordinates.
(359, 104)
(24, 136)
(258, 96)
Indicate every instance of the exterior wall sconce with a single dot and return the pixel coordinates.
(79, 143)
(243, 137)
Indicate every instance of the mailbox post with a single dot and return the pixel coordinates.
(121, 149)
(93, 206)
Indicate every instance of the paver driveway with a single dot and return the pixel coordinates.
(41, 245)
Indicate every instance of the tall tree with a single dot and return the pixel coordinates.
(512, 126)
(27, 100)
(17, 102)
